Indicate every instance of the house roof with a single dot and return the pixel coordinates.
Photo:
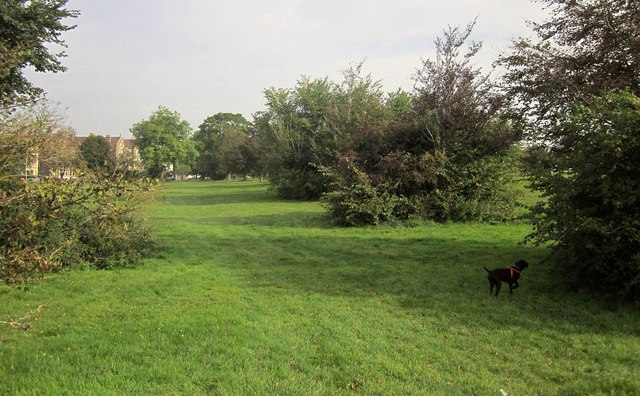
(130, 143)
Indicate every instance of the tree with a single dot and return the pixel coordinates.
(443, 152)
(462, 144)
(576, 90)
(306, 129)
(294, 129)
(96, 153)
(360, 119)
(585, 48)
(164, 140)
(209, 140)
(27, 30)
(593, 195)
(459, 109)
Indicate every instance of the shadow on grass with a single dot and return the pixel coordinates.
(186, 193)
(296, 219)
(215, 185)
(241, 196)
(438, 278)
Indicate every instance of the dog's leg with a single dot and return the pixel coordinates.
(498, 286)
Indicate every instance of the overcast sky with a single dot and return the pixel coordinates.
(201, 57)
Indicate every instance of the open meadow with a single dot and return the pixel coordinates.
(253, 295)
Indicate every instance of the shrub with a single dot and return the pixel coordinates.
(483, 190)
(354, 201)
(121, 242)
(593, 195)
(298, 183)
(56, 224)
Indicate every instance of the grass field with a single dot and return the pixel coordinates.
(252, 295)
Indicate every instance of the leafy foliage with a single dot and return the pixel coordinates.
(354, 200)
(585, 48)
(444, 152)
(56, 224)
(164, 139)
(593, 195)
(225, 147)
(53, 224)
(454, 102)
(27, 29)
(36, 133)
(96, 153)
(294, 129)
(576, 91)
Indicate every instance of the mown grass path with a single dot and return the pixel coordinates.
(252, 295)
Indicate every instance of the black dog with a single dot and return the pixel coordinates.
(509, 275)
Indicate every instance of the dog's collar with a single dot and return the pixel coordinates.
(512, 270)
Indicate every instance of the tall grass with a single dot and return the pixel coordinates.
(253, 295)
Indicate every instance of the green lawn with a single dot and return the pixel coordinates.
(252, 295)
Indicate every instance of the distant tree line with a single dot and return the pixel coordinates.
(445, 151)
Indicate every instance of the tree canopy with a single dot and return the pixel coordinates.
(442, 152)
(27, 30)
(584, 48)
(164, 139)
(219, 141)
(96, 153)
(576, 90)
(295, 131)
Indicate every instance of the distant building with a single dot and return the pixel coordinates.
(124, 148)
(124, 151)
(31, 164)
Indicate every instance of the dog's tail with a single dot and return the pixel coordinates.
(485, 268)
